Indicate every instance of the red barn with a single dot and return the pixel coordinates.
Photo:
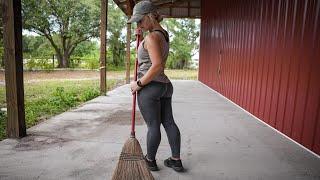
(262, 55)
(265, 57)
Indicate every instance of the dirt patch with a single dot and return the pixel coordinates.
(123, 117)
(35, 142)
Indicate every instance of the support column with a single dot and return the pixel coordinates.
(12, 40)
(128, 53)
(103, 58)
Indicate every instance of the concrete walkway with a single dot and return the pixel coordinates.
(219, 141)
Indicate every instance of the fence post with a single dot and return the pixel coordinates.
(53, 61)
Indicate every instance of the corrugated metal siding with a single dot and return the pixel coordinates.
(264, 55)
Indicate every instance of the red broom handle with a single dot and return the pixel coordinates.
(138, 34)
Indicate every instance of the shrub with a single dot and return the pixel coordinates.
(3, 118)
(89, 94)
(63, 99)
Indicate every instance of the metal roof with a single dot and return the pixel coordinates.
(167, 8)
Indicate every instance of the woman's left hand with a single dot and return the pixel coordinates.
(134, 87)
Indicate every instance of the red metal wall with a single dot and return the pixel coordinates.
(264, 55)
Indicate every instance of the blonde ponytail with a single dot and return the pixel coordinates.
(155, 16)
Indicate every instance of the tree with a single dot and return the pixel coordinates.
(86, 48)
(65, 23)
(116, 40)
(183, 42)
(36, 46)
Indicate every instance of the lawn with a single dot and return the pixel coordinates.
(45, 99)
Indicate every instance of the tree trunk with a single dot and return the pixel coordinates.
(116, 56)
(63, 61)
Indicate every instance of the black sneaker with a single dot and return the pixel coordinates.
(152, 165)
(174, 164)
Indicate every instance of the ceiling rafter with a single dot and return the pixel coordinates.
(130, 5)
(175, 8)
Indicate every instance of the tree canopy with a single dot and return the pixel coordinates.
(183, 44)
(117, 23)
(70, 28)
(70, 21)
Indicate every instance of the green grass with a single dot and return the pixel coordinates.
(182, 74)
(45, 99)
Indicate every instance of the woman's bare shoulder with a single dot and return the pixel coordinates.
(152, 38)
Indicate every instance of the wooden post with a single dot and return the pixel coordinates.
(130, 5)
(128, 53)
(103, 29)
(12, 37)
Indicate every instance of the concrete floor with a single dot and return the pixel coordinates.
(219, 141)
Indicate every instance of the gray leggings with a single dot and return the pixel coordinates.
(154, 102)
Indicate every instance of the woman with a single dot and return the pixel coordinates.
(153, 86)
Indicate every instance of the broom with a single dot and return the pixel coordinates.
(131, 165)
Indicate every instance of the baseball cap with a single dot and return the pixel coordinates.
(140, 9)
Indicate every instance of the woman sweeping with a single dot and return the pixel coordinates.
(153, 86)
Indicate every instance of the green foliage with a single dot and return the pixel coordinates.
(1, 55)
(3, 119)
(75, 62)
(86, 48)
(116, 40)
(36, 46)
(89, 61)
(64, 23)
(184, 74)
(38, 63)
(62, 98)
(43, 100)
(88, 94)
(183, 42)
(37, 53)
(92, 62)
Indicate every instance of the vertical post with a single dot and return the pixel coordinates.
(53, 61)
(128, 53)
(12, 40)
(103, 29)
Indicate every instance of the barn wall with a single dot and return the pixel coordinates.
(264, 55)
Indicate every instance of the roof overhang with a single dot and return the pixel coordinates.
(167, 8)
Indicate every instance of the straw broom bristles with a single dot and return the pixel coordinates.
(131, 165)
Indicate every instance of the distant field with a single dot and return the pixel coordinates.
(34, 76)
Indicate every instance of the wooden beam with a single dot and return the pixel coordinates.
(191, 7)
(161, 4)
(174, 3)
(128, 53)
(12, 40)
(130, 5)
(103, 47)
(188, 9)
(120, 5)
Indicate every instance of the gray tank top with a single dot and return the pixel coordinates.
(144, 61)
